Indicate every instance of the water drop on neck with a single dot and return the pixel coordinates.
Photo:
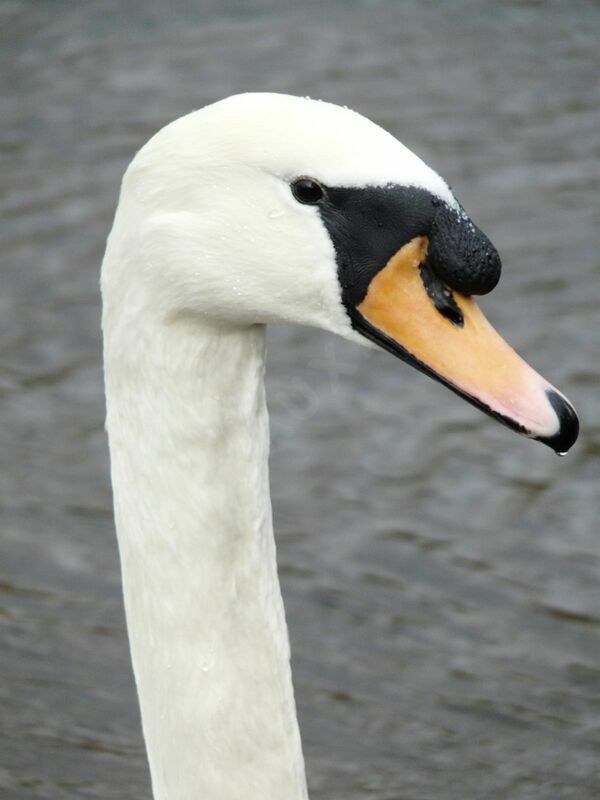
(560, 455)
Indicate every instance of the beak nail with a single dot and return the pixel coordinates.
(568, 424)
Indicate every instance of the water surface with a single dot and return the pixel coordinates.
(441, 575)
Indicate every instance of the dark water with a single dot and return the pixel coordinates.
(441, 575)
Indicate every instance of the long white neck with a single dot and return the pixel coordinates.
(189, 443)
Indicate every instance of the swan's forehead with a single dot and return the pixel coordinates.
(290, 136)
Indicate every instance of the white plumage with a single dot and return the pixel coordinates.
(207, 246)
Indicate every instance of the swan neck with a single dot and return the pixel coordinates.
(188, 433)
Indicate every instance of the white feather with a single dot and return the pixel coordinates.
(207, 246)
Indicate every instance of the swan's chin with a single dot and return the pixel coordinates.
(409, 312)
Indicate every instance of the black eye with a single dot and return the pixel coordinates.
(308, 191)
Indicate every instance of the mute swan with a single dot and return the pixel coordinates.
(263, 208)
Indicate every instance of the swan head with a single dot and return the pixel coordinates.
(268, 208)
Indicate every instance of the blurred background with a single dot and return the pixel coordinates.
(441, 574)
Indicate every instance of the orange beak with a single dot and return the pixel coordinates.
(463, 351)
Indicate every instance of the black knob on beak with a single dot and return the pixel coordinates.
(460, 254)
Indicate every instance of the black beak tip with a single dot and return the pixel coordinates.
(568, 429)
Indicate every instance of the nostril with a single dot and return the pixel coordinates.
(461, 254)
(441, 297)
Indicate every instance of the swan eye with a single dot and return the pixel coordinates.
(307, 191)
